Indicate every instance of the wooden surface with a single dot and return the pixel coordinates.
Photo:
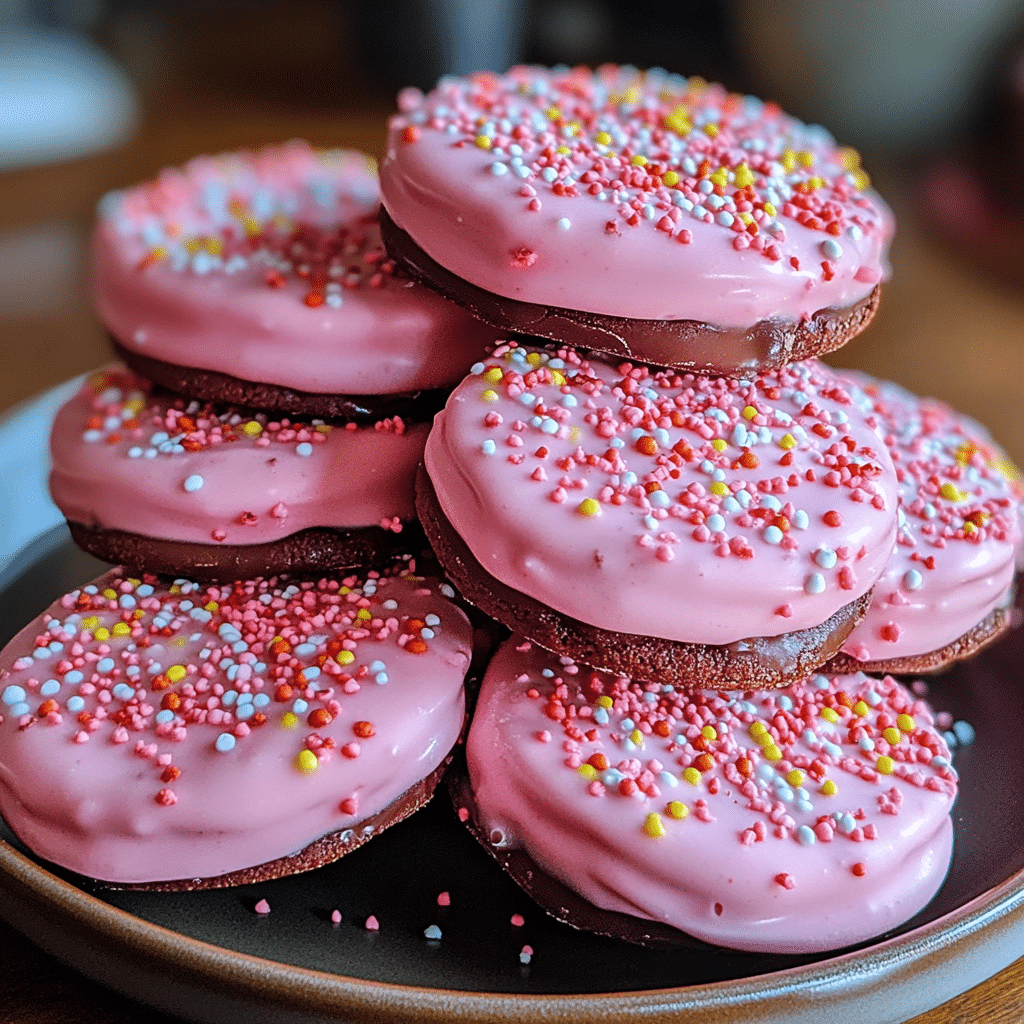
(942, 330)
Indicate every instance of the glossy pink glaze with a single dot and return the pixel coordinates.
(135, 791)
(663, 555)
(204, 266)
(527, 185)
(960, 529)
(754, 861)
(120, 462)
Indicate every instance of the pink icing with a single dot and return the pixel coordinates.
(183, 471)
(217, 728)
(959, 504)
(697, 509)
(636, 194)
(667, 806)
(268, 266)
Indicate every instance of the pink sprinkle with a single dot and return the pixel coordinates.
(524, 258)
(166, 798)
(785, 880)
(444, 899)
(372, 924)
(784, 610)
(349, 805)
(518, 920)
(463, 814)
(263, 907)
(335, 917)
(525, 954)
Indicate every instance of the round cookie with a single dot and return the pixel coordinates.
(947, 590)
(790, 821)
(264, 272)
(186, 737)
(169, 486)
(704, 532)
(638, 213)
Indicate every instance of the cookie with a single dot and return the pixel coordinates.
(704, 532)
(947, 590)
(266, 268)
(637, 213)
(792, 821)
(181, 736)
(165, 485)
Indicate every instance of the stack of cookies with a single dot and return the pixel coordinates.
(263, 439)
(688, 522)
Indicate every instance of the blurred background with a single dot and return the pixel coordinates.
(96, 94)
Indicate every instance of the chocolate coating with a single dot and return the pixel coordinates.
(211, 386)
(687, 344)
(758, 663)
(309, 552)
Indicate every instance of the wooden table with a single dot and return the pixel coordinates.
(942, 330)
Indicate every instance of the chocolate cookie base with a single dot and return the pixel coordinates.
(320, 852)
(316, 551)
(212, 386)
(758, 663)
(556, 898)
(974, 640)
(687, 344)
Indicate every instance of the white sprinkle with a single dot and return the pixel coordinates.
(815, 583)
(912, 580)
(564, 223)
(825, 557)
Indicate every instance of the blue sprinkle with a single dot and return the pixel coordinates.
(14, 694)
(715, 523)
(261, 700)
(611, 777)
(229, 698)
(225, 742)
(244, 711)
(49, 688)
(163, 717)
(964, 733)
(668, 779)
(305, 650)
(76, 703)
(773, 535)
(193, 483)
(815, 583)
(123, 691)
(74, 676)
(601, 716)
(825, 557)
(105, 665)
(432, 932)
(488, 447)
(805, 836)
(300, 706)
(381, 678)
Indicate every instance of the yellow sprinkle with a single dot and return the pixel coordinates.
(490, 396)
(90, 622)
(102, 633)
(588, 770)
(795, 777)
(709, 732)
(138, 613)
(344, 657)
(192, 245)
(342, 591)
(306, 761)
(815, 182)
(178, 641)
(575, 434)
(951, 493)
(711, 130)
(906, 723)
(828, 788)
(534, 358)
(757, 729)
(719, 444)
(323, 428)
(849, 158)
(493, 375)
(252, 429)
(805, 158)
(720, 177)
(764, 740)
(604, 701)
(719, 487)
(746, 218)
(603, 139)
(861, 179)
(211, 606)
(769, 209)
(636, 737)
(743, 176)
(289, 720)
(563, 150)
(670, 178)
(692, 776)
(176, 673)
(653, 826)
(572, 129)
(110, 595)
(891, 735)
(213, 246)
(970, 528)
(772, 753)
(175, 589)
(553, 114)
(639, 160)
(121, 629)
(134, 406)
(861, 709)
(830, 715)
(589, 507)
(749, 412)
(678, 810)
(482, 142)
(885, 765)
(558, 378)
(363, 613)
(788, 160)
(788, 441)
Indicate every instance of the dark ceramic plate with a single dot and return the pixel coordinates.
(209, 957)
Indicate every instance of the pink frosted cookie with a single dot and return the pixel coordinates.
(164, 485)
(699, 531)
(947, 591)
(786, 821)
(639, 213)
(259, 279)
(195, 736)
